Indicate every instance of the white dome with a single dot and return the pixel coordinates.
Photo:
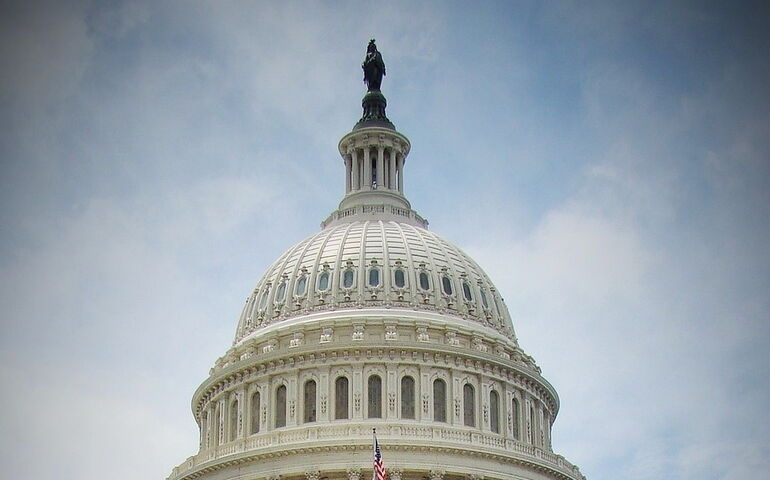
(375, 322)
(374, 263)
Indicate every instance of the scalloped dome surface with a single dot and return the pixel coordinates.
(374, 264)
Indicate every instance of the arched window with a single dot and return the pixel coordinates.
(400, 278)
(255, 401)
(439, 400)
(446, 285)
(280, 294)
(424, 282)
(494, 412)
(532, 425)
(374, 394)
(309, 414)
(233, 420)
(341, 398)
(299, 290)
(515, 419)
(469, 405)
(467, 292)
(407, 397)
(323, 281)
(280, 406)
(347, 278)
(374, 277)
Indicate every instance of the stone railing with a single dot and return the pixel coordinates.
(391, 436)
(379, 209)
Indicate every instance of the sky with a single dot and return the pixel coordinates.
(607, 163)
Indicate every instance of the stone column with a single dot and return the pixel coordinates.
(367, 183)
(400, 172)
(392, 174)
(381, 167)
(356, 175)
(348, 167)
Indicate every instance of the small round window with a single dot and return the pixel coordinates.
(374, 277)
(467, 292)
(301, 285)
(347, 278)
(323, 281)
(399, 278)
(446, 285)
(424, 284)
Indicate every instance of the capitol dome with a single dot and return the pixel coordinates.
(375, 322)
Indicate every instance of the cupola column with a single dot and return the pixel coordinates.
(380, 167)
(348, 162)
(400, 173)
(367, 184)
(356, 173)
(392, 174)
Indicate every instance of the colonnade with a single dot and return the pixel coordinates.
(439, 396)
(370, 168)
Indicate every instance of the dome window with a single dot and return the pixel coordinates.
(374, 277)
(424, 283)
(347, 278)
(484, 299)
(280, 293)
(301, 285)
(467, 292)
(400, 278)
(446, 285)
(263, 300)
(323, 281)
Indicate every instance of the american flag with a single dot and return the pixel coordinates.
(379, 468)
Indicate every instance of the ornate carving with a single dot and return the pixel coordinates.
(270, 346)
(478, 344)
(354, 473)
(313, 475)
(326, 335)
(292, 408)
(425, 403)
(323, 404)
(451, 339)
(391, 333)
(297, 340)
(422, 334)
(357, 401)
(392, 401)
(358, 333)
(436, 475)
(395, 474)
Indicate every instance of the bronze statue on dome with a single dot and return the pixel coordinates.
(374, 67)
